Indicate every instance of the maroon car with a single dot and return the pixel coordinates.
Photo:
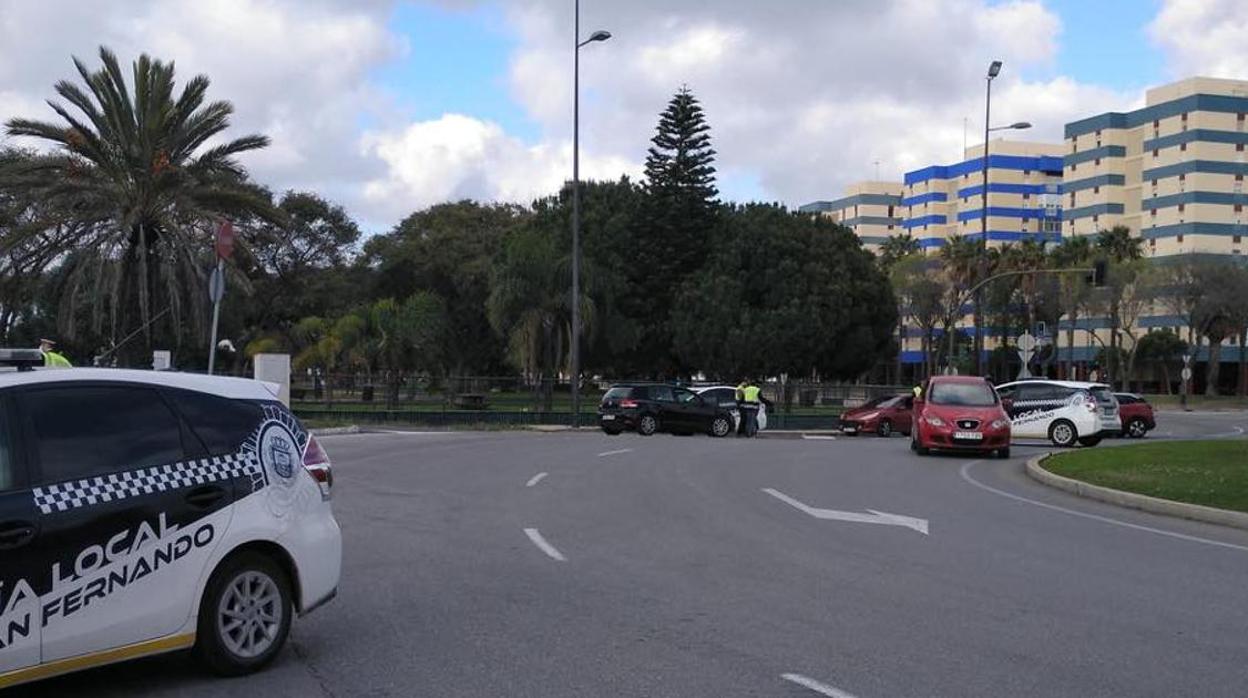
(883, 416)
(1136, 414)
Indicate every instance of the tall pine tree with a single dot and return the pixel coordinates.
(675, 233)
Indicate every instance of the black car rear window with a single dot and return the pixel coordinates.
(220, 423)
(618, 392)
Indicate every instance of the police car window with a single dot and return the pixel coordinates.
(221, 423)
(726, 396)
(84, 431)
(1035, 391)
(8, 477)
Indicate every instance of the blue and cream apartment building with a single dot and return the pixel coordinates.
(1172, 171)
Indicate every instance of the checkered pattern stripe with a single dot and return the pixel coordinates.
(67, 496)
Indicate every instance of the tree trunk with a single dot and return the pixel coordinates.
(1165, 373)
(1213, 368)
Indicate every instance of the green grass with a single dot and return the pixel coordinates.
(1209, 473)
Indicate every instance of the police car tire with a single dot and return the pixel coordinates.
(1070, 428)
(210, 646)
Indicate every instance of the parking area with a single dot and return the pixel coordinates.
(515, 563)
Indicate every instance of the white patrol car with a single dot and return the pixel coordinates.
(145, 512)
(1064, 412)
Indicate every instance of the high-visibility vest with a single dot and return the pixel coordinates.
(52, 359)
(748, 393)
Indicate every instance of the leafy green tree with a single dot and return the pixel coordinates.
(922, 293)
(1162, 349)
(1073, 289)
(1119, 245)
(143, 174)
(785, 294)
(530, 305)
(408, 338)
(897, 248)
(450, 249)
(680, 213)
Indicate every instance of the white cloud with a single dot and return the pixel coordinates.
(1203, 37)
(806, 96)
(457, 156)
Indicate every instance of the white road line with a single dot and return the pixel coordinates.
(817, 687)
(614, 453)
(818, 437)
(535, 536)
(535, 479)
(966, 468)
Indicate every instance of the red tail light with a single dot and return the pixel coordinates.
(316, 461)
(627, 404)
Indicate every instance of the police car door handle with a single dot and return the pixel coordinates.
(15, 534)
(204, 497)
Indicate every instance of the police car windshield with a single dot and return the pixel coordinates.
(964, 394)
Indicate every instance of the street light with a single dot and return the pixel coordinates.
(599, 35)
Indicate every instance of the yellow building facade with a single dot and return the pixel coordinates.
(871, 209)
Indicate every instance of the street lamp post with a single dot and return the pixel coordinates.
(576, 207)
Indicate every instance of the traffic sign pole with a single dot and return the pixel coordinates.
(224, 247)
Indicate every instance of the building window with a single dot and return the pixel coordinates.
(1072, 198)
(890, 227)
(1181, 208)
(1237, 239)
(1239, 147)
(1180, 237)
(1096, 190)
(1183, 147)
(1073, 147)
(1095, 219)
(1152, 242)
(1156, 123)
(1026, 196)
(1074, 166)
(1239, 208)
(1026, 173)
(890, 210)
(1097, 163)
(1154, 153)
(1153, 213)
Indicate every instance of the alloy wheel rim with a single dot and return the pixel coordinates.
(721, 426)
(647, 423)
(1062, 433)
(1137, 428)
(249, 615)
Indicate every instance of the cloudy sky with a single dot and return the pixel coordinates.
(388, 106)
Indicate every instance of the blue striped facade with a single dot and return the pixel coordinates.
(1202, 102)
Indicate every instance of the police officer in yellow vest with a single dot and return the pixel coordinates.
(748, 398)
(51, 358)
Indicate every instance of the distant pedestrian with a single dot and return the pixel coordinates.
(51, 358)
(748, 401)
(918, 392)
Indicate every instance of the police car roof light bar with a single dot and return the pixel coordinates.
(21, 359)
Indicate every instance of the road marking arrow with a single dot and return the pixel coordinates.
(875, 517)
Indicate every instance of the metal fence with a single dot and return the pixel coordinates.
(515, 401)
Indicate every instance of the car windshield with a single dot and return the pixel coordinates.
(966, 394)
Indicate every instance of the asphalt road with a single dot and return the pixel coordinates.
(681, 576)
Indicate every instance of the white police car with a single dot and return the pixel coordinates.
(145, 512)
(1064, 412)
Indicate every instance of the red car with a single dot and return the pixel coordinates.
(1136, 414)
(883, 416)
(960, 413)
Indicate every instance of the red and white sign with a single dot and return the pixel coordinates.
(225, 240)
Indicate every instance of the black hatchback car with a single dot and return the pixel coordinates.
(650, 407)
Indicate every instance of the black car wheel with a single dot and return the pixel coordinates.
(647, 425)
(1062, 433)
(1136, 428)
(721, 426)
(885, 428)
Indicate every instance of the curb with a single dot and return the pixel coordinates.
(334, 431)
(1131, 500)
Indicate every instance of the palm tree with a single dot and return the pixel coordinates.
(530, 305)
(134, 170)
(966, 262)
(1072, 253)
(895, 248)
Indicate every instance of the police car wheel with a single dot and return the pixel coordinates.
(245, 615)
(1062, 433)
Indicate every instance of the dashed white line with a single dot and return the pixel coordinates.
(614, 453)
(818, 437)
(535, 479)
(816, 686)
(966, 468)
(536, 536)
